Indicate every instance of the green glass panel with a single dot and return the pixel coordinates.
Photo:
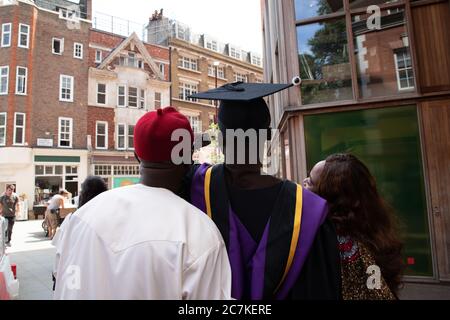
(387, 140)
(56, 159)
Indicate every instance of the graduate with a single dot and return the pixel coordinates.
(280, 243)
(143, 241)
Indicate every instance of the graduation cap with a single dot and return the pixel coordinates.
(242, 105)
(240, 91)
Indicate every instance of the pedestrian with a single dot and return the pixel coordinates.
(52, 213)
(143, 241)
(9, 205)
(366, 228)
(280, 244)
(90, 188)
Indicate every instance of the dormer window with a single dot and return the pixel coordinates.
(235, 53)
(255, 60)
(211, 45)
(132, 62)
(66, 13)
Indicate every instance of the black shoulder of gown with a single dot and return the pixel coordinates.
(320, 278)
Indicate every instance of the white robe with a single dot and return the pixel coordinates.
(139, 242)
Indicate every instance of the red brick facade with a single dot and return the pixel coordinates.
(41, 104)
(101, 114)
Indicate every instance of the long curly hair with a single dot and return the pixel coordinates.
(90, 188)
(358, 210)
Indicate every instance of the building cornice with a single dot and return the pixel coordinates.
(102, 74)
(206, 53)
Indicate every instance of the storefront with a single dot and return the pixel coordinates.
(55, 170)
(50, 178)
(117, 168)
(117, 175)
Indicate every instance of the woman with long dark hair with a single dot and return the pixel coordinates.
(366, 227)
(90, 188)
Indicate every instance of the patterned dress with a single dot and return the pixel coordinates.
(359, 282)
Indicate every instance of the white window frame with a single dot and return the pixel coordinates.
(196, 123)
(255, 59)
(240, 77)
(125, 138)
(24, 79)
(70, 133)
(186, 89)
(16, 127)
(132, 60)
(397, 71)
(235, 53)
(142, 98)
(188, 63)
(211, 70)
(103, 93)
(9, 33)
(61, 77)
(97, 135)
(156, 100)
(61, 46)
(77, 45)
(137, 97)
(128, 136)
(98, 56)
(4, 114)
(21, 33)
(221, 72)
(4, 77)
(212, 45)
(161, 69)
(125, 96)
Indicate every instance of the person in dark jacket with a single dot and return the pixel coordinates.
(8, 206)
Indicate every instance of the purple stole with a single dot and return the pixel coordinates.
(268, 269)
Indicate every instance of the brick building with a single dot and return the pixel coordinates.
(43, 96)
(194, 61)
(127, 78)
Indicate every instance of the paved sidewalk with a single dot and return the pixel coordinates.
(34, 255)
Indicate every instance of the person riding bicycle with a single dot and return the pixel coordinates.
(52, 213)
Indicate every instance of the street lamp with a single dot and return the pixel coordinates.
(216, 65)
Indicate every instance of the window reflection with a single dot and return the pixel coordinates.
(354, 4)
(312, 8)
(324, 62)
(383, 56)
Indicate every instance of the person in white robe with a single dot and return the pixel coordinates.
(143, 241)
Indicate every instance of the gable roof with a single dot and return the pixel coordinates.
(133, 38)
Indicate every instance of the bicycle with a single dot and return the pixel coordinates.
(44, 223)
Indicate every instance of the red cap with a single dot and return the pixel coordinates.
(153, 134)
